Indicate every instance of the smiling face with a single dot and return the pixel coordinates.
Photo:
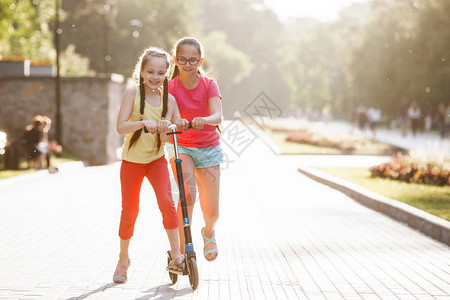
(185, 56)
(154, 71)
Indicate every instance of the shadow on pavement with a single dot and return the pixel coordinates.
(98, 290)
(167, 293)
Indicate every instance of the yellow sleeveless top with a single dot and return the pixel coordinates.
(144, 149)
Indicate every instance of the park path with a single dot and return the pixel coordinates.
(281, 235)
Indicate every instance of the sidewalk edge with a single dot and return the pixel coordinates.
(434, 227)
(268, 141)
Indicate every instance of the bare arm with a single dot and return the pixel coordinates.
(124, 126)
(215, 117)
(215, 108)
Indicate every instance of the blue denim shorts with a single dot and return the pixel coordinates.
(202, 157)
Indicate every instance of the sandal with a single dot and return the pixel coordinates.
(120, 275)
(212, 240)
(176, 266)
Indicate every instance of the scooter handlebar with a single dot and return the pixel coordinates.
(172, 127)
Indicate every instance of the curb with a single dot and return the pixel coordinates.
(434, 227)
(269, 142)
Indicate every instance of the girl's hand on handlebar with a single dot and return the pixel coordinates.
(152, 127)
(163, 126)
(198, 123)
(183, 124)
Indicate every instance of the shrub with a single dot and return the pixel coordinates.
(413, 170)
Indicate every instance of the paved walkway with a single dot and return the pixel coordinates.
(423, 142)
(280, 235)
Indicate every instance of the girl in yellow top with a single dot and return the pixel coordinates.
(146, 106)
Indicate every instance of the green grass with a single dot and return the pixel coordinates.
(432, 199)
(66, 157)
(287, 147)
(13, 173)
(23, 165)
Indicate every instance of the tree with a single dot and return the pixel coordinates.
(119, 30)
(308, 61)
(404, 52)
(315, 57)
(432, 44)
(25, 29)
(225, 63)
(253, 30)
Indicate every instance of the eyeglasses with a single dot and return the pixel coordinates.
(192, 61)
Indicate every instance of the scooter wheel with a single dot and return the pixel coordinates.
(173, 276)
(193, 273)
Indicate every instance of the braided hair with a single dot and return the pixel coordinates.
(150, 52)
(164, 110)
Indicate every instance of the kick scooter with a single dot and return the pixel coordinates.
(190, 263)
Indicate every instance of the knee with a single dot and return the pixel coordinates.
(127, 221)
(190, 191)
(169, 215)
(211, 214)
(129, 215)
(170, 222)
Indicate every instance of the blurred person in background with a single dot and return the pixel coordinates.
(33, 142)
(361, 117)
(441, 118)
(402, 115)
(428, 120)
(37, 146)
(374, 117)
(414, 116)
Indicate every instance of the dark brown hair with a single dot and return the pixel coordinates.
(150, 52)
(176, 49)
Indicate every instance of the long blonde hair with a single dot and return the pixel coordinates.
(143, 59)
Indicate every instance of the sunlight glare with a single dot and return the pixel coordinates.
(324, 10)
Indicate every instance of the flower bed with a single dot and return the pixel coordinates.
(305, 136)
(348, 143)
(413, 170)
(320, 137)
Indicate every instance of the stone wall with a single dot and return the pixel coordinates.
(89, 108)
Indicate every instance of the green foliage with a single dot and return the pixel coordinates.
(309, 64)
(373, 54)
(314, 60)
(404, 52)
(74, 64)
(25, 29)
(233, 64)
(255, 31)
(113, 33)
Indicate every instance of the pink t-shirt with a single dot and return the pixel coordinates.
(195, 103)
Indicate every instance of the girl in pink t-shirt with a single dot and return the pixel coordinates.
(199, 102)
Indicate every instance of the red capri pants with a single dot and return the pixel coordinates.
(131, 177)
